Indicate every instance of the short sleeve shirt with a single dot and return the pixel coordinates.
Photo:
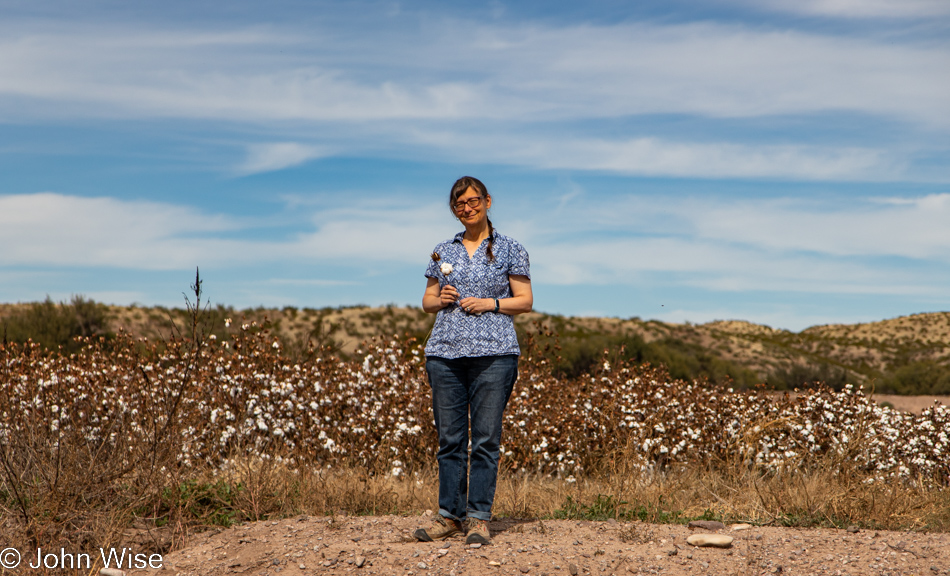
(457, 333)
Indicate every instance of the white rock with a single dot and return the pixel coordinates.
(740, 526)
(714, 540)
(111, 572)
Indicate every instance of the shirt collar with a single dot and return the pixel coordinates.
(458, 237)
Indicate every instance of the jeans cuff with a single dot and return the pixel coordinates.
(445, 514)
(486, 516)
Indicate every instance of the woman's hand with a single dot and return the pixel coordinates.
(477, 305)
(436, 298)
(448, 295)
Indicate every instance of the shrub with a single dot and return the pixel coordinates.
(53, 325)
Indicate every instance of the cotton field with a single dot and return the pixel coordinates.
(223, 399)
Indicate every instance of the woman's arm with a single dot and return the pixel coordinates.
(435, 299)
(522, 299)
(520, 302)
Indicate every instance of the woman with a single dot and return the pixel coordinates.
(477, 281)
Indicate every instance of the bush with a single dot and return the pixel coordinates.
(574, 354)
(810, 376)
(53, 325)
(917, 378)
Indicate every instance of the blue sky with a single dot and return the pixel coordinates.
(780, 161)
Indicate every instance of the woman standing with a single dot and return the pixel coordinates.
(477, 281)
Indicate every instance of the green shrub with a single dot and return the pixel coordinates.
(917, 378)
(53, 325)
(810, 376)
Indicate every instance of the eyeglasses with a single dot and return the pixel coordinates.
(472, 203)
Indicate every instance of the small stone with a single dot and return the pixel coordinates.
(853, 529)
(475, 545)
(493, 563)
(738, 527)
(672, 552)
(572, 568)
(302, 566)
(704, 565)
(111, 572)
(714, 540)
(706, 525)
(577, 542)
(422, 565)
(524, 569)
(360, 561)
(689, 555)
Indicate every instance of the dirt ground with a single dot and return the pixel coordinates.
(914, 404)
(383, 545)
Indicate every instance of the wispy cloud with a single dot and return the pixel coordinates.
(915, 229)
(866, 246)
(60, 230)
(278, 155)
(659, 157)
(750, 245)
(371, 88)
(860, 8)
(82, 232)
(508, 72)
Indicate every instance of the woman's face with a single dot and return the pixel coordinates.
(472, 215)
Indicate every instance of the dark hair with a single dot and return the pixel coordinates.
(460, 187)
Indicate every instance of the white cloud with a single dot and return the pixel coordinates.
(507, 73)
(383, 231)
(916, 229)
(503, 97)
(657, 157)
(860, 8)
(50, 229)
(55, 229)
(277, 156)
(715, 266)
(890, 247)
(866, 246)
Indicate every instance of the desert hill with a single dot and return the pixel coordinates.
(905, 355)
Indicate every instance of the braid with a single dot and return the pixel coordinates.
(491, 240)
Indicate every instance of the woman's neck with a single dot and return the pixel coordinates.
(476, 233)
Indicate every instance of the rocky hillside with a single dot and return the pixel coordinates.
(906, 355)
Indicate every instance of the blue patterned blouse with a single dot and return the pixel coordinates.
(457, 333)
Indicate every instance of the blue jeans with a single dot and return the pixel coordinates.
(480, 386)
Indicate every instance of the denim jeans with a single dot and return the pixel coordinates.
(479, 386)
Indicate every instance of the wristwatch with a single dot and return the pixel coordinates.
(496, 305)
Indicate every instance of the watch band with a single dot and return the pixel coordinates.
(497, 305)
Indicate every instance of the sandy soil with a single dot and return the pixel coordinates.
(383, 545)
(914, 404)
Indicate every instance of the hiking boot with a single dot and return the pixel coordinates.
(440, 529)
(477, 532)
